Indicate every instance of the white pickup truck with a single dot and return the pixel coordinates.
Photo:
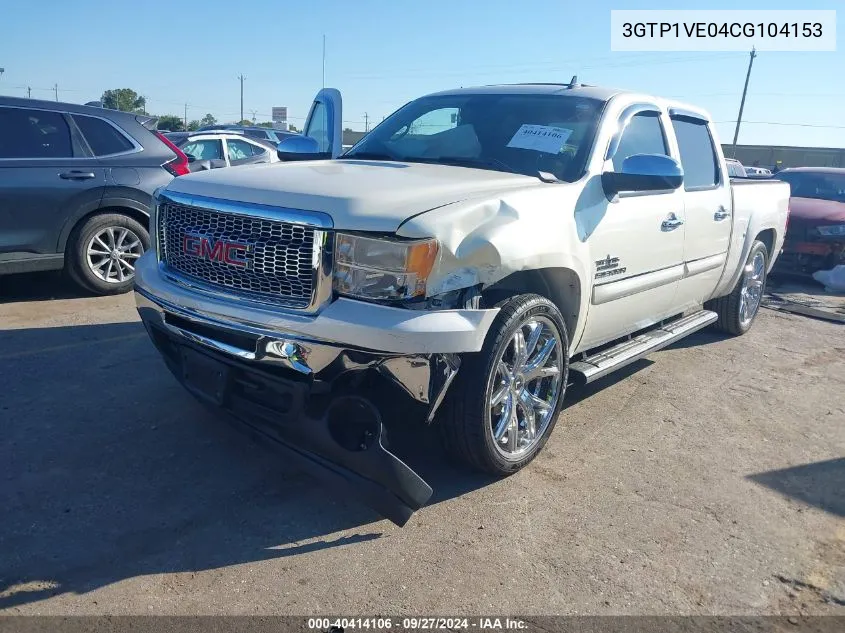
(476, 253)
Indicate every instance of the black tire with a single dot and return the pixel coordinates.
(76, 258)
(729, 307)
(465, 417)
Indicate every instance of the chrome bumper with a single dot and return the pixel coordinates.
(423, 377)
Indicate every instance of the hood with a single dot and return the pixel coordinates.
(359, 195)
(817, 210)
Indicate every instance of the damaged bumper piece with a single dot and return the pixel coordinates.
(302, 394)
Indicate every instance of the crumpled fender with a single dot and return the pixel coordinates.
(484, 241)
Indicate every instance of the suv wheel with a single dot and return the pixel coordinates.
(102, 253)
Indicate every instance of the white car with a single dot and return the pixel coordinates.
(216, 149)
(476, 252)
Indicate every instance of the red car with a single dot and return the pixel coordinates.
(815, 238)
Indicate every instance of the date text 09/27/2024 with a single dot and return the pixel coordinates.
(417, 624)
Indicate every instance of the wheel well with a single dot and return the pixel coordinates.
(561, 286)
(768, 238)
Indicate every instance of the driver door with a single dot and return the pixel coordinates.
(324, 122)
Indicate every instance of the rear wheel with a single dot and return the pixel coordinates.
(103, 251)
(506, 398)
(738, 310)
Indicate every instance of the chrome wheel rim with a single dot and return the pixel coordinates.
(112, 254)
(752, 288)
(525, 388)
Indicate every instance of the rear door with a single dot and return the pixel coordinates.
(324, 122)
(707, 207)
(47, 174)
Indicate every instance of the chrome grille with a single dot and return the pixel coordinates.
(281, 260)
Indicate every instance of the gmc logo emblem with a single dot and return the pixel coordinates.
(231, 253)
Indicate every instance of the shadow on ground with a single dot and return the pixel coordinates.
(111, 471)
(820, 484)
(42, 286)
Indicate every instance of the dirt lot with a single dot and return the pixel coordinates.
(708, 479)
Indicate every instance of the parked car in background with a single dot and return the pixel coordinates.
(758, 172)
(215, 149)
(816, 236)
(76, 183)
(476, 252)
(735, 168)
(264, 133)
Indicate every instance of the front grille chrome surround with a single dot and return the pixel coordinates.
(288, 251)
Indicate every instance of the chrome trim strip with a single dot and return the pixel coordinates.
(314, 219)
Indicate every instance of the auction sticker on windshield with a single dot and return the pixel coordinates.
(542, 138)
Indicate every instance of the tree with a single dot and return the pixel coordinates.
(347, 129)
(265, 124)
(124, 99)
(193, 126)
(170, 122)
(292, 128)
(245, 122)
(208, 119)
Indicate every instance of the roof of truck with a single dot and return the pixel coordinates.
(580, 90)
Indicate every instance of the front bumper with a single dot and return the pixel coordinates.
(316, 398)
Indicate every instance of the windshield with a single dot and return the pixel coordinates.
(518, 133)
(821, 185)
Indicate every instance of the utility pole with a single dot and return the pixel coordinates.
(742, 102)
(28, 92)
(254, 112)
(366, 122)
(56, 89)
(241, 77)
(186, 117)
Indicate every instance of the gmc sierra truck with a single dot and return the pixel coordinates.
(477, 252)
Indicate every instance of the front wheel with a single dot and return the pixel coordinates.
(506, 398)
(737, 310)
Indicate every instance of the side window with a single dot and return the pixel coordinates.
(642, 135)
(102, 138)
(238, 150)
(26, 133)
(698, 156)
(209, 149)
(257, 150)
(434, 122)
(318, 128)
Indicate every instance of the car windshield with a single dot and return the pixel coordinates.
(821, 185)
(517, 133)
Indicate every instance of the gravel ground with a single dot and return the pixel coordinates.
(708, 479)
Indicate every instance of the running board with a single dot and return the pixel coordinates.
(602, 363)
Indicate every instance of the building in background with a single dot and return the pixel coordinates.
(280, 118)
(782, 156)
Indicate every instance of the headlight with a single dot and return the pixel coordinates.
(376, 268)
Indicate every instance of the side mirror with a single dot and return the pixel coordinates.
(300, 147)
(644, 172)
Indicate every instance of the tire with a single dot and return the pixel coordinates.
(738, 310)
(81, 267)
(467, 419)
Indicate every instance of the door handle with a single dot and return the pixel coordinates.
(77, 175)
(721, 214)
(671, 223)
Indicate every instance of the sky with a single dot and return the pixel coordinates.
(383, 53)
